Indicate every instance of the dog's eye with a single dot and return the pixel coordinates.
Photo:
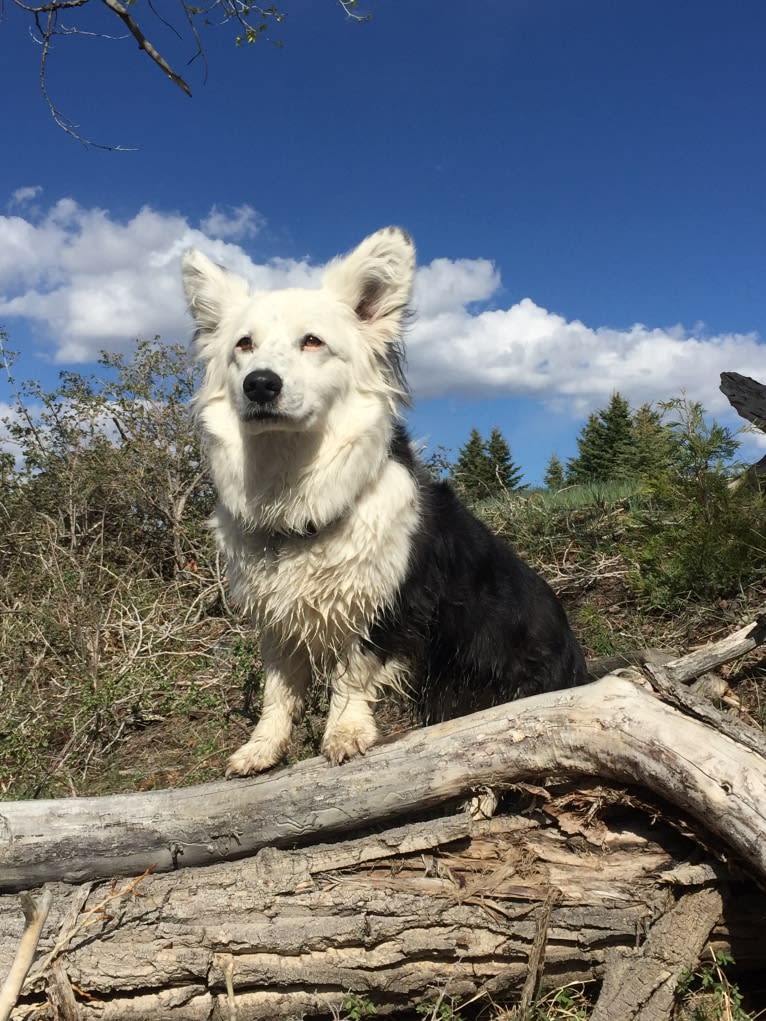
(311, 342)
(244, 344)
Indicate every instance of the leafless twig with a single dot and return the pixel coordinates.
(35, 914)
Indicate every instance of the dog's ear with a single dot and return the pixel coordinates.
(376, 280)
(209, 288)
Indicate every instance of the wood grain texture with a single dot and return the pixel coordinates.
(613, 729)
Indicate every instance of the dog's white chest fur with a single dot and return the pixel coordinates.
(325, 589)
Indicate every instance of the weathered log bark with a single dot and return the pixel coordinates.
(746, 395)
(642, 984)
(612, 729)
(448, 904)
(748, 398)
(451, 905)
(35, 914)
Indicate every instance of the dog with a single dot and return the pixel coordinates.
(355, 565)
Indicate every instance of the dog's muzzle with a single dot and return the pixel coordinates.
(262, 386)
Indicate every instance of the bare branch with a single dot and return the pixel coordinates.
(123, 14)
(349, 7)
(50, 8)
(34, 916)
(47, 31)
(251, 22)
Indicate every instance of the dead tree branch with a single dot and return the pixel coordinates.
(613, 729)
(35, 914)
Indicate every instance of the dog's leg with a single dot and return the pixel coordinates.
(351, 728)
(287, 678)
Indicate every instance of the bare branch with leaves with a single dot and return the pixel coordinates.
(250, 22)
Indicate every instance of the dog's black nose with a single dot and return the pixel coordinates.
(262, 386)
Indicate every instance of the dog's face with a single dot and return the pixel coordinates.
(283, 359)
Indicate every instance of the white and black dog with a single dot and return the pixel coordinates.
(355, 565)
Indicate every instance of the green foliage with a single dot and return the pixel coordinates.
(472, 472)
(616, 443)
(554, 478)
(357, 1006)
(110, 592)
(441, 1008)
(707, 994)
(485, 468)
(598, 632)
(652, 446)
(698, 449)
(115, 455)
(697, 537)
(568, 1003)
(592, 494)
(507, 474)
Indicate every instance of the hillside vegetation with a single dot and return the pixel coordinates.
(123, 664)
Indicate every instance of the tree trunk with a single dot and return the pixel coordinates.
(612, 729)
(577, 887)
(451, 905)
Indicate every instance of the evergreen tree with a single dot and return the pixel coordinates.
(507, 474)
(554, 478)
(699, 449)
(619, 440)
(653, 443)
(591, 445)
(473, 472)
(606, 445)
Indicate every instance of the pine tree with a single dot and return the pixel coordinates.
(591, 445)
(554, 478)
(507, 474)
(653, 443)
(473, 472)
(606, 445)
(619, 440)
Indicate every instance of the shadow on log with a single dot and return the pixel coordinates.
(583, 885)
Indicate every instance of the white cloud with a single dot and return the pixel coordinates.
(23, 195)
(234, 222)
(446, 285)
(528, 350)
(90, 282)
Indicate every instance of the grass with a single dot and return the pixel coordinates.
(118, 674)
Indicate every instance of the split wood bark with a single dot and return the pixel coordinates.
(640, 985)
(451, 907)
(286, 932)
(613, 729)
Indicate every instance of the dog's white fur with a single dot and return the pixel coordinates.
(320, 467)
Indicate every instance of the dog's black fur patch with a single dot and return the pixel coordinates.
(478, 625)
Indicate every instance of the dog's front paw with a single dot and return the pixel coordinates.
(347, 740)
(255, 756)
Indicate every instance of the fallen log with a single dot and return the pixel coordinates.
(448, 904)
(451, 906)
(613, 729)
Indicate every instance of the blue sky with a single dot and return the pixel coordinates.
(584, 181)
